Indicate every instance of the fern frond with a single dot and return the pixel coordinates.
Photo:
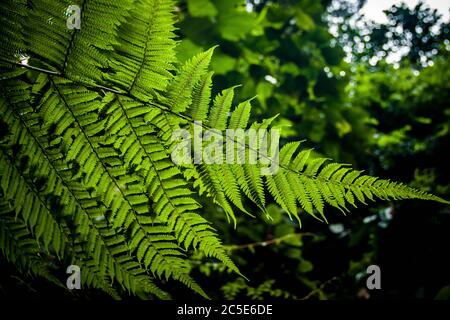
(219, 113)
(11, 33)
(169, 194)
(201, 97)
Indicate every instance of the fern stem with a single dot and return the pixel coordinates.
(161, 183)
(27, 66)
